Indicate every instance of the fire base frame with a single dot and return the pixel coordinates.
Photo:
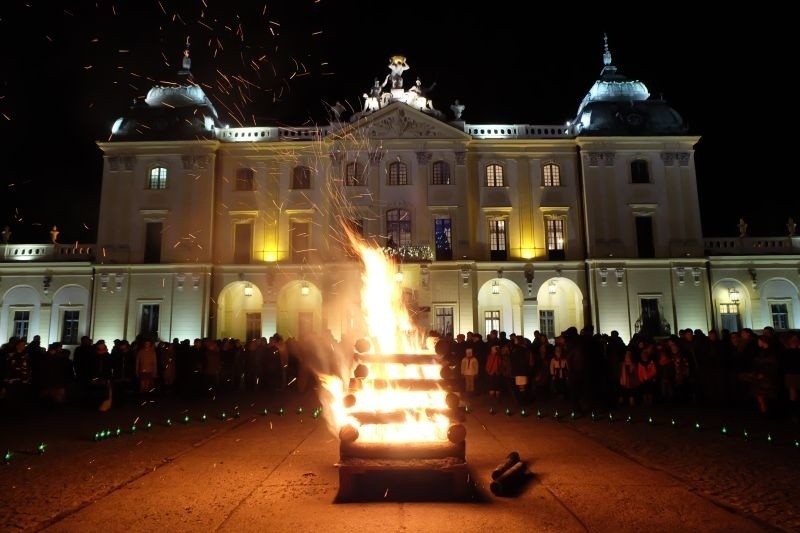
(447, 472)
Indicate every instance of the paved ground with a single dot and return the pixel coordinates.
(277, 473)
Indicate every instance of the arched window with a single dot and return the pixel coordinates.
(354, 174)
(301, 178)
(158, 178)
(244, 179)
(640, 171)
(551, 175)
(398, 173)
(441, 173)
(398, 227)
(494, 175)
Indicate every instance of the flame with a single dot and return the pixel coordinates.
(399, 400)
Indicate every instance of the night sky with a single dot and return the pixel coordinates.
(69, 69)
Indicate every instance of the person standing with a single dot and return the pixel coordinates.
(146, 366)
(469, 369)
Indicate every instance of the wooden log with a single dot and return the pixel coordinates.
(500, 469)
(401, 450)
(510, 480)
(402, 358)
(400, 415)
(456, 433)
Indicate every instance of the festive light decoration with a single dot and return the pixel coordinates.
(223, 416)
(573, 415)
(650, 420)
(133, 429)
(746, 434)
(769, 438)
(265, 412)
(724, 429)
(467, 409)
(168, 422)
(594, 416)
(673, 422)
(149, 425)
(610, 417)
(629, 419)
(492, 411)
(299, 410)
(98, 436)
(41, 448)
(797, 443)
(280, 411)
(509, 412)
(186, 419)
(204, 417)
(236, 414)
(556, 414)
(7, 456)
(118, 431)
(539, 413)
(523, 413)
(697, 426)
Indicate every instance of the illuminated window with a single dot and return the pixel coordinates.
(398, 227)
(398, 173)
(148, 321)
(354, 175)
(554, 235)
(551, 175)
(779, 311)
(443, 239)
(244, 179)
(640, 171)
(22, 320)
(69, 327)
(158, 178)
(301, 178)
(547, 323)
(494, 175)
(491, 321)
(497, 240)
(444, 321)
(441, 173)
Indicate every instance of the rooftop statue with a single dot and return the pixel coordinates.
(186, 62)
(398, 65)
(457, 108)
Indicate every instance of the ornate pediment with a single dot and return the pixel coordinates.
(401, 121)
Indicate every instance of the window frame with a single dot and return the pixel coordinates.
(354, 175)
(491, 320)
(245, 179)
(157, 178)
(16, 322)
(397, 173)
(66, 335)
(301, 177)
(494, 175)
(551, 175)
(153, 304)
(787, 313)
(397, 220)
(440, 173)
(441, 315)
(640, 171)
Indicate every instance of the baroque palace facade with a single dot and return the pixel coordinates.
(206, 230)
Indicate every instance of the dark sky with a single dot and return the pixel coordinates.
(68, 69)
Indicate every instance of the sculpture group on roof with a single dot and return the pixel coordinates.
(416, 96)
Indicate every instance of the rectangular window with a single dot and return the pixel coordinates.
(645, 246)
(22, 320)
(494, 176)
(398, 227)
(491, 321)
(398, 174)
(780, 315)
(242, 243)
(640, 171)
(148, 323)
(253, 326)
(244, 179)
(69, 327)
(354, 175)
(729, 316)
(497, 240)
(442, 238)
(547, 323)
(650, 322)
(300, 241)
(441, 173)
(158, 178)
(551, 174)
(152, 242)
(301, 178)
(444, 321)
(554, 233)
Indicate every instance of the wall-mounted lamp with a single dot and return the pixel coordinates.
(603, 276)
(495, 287)
(733, 292)
(551, 287)
(180, 278)
(118, 278)
(248, 289)
(304, 289)
(398, 277)
(46, 284)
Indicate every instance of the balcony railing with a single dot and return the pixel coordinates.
(752, 245)
(47, 252)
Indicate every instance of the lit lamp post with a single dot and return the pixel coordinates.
(304, 290)
(248, 290)
(495, 287)
(551, 287)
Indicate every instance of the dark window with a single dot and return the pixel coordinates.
(547, 323)
(497, 240)
(398, 173)
(244, 179)
(640, 171)
(242, 243)
(442, 237)
(441, 173)
(69, 327)
(301, 241)
(398, 227)
(301, 178)
(148, 325)
(494, 175)
(253, 326)
(645, 246)
(158, 178)
(651, 324)
(780, 315)
(152, 242)
(444, 321)
(354, 175)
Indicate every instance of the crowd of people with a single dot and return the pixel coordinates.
(588, 369)
(101, 377)
(600, 371)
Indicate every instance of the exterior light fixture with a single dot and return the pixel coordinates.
(304, 290)
(551, 287)
(495, 287)
(398, 277)
(733, 292)
(248, 290)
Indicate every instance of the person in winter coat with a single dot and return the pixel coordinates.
(469, 369)
(146, 366)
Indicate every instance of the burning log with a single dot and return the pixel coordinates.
(500, 469)
(398, 384)
(510, 480)
(405, 450)
(401, 415)
(400, 358)
(456, 433)
(348, 434)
